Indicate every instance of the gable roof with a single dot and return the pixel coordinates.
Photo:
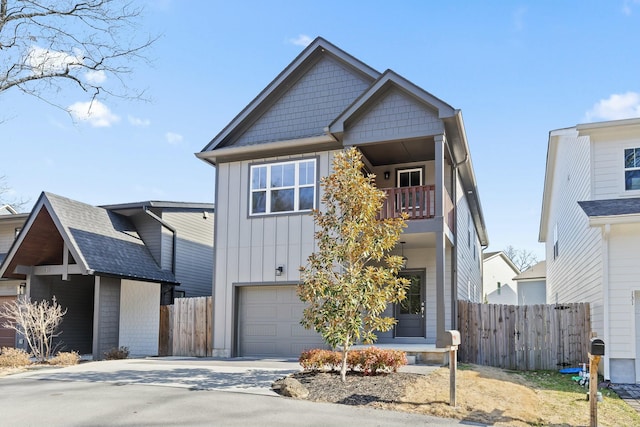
(535, 272)
(100, 241)
(318, 48)
(491, 255)
(7, 210)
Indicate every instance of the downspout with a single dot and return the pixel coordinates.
(454, 257)
(172, 230)
(606, 230)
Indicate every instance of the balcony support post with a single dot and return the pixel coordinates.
(439, 141)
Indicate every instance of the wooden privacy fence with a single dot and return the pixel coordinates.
(185, 327)
(525, 337)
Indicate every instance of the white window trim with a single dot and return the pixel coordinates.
(409, 170)
(623, 190)
(296, 186)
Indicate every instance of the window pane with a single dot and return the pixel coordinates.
(632, 180)
(283, 175)
(258, 202)
(259, 177)
(282, 200)
(637, 158)
(307, 173)
(415, 178)
(629, 158)
(305, 198)
(404, 180)
(276, 176)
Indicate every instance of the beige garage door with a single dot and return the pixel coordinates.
(7, 336)
(269, 323)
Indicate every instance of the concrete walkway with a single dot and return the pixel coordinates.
(630, 393)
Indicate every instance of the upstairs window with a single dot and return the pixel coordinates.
(283, 187)
(555, 242)
(632, 169)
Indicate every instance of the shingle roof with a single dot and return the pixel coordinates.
(538, 271)
(611, 207)
(108, 243)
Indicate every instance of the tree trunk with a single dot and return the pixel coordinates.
(343, 368)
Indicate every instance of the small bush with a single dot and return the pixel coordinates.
(369, 361)
(66, 358)
(117, 353)
(13, 357)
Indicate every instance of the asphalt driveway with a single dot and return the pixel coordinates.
(175, 391)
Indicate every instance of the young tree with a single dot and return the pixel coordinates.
(45, 44)
(5, 198)
(38, 322)
(351, 279)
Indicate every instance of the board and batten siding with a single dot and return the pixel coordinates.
(248, 249)
(624, 271)
(194, 251)
(469, 254)
(575, 275)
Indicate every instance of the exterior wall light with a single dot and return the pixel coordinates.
(279, 270)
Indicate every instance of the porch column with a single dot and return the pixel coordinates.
(439, 143)
(96, 319)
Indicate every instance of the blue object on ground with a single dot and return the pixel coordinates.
(570, 370)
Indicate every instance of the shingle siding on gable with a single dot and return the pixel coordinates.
(396, 115)
(309, 106)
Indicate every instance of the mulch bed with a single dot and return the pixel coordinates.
(359, 389)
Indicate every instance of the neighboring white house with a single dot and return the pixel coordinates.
(590, 224)
(498, 286)
(269, 160)
(531, 285)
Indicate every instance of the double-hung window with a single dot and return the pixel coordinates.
(632, 169)
(283, 187)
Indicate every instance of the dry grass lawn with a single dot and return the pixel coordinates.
(502, 398)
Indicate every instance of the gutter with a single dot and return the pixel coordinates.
(172, 230)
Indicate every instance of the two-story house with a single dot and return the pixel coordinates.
(590, 224)
(498, 284)
(269, 160)
(110, 266)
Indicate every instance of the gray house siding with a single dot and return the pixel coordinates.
(149, 230)
(309, 105)
(109, 315)
(397, 115)
(250, 248)
(194, 269)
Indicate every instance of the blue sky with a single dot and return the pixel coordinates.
(517, 70)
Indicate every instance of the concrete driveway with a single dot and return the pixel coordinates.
(176, 391)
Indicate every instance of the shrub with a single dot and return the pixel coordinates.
(369, 361)
(13, 357)
(117, 353)
(66, 358)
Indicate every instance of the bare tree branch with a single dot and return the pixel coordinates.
(521, 258)
(50, 45)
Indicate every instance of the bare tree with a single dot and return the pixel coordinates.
(38, 322)
(521, 258)
(50, 45)
(6, 199)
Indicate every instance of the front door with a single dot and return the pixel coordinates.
(410, 312)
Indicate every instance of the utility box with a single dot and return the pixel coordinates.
(452, 338)
(597, 347)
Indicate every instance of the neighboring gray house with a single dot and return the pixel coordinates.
(11, 223)
(269, 160)
(109, 265)
(532, 285)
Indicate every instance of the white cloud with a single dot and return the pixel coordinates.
(173, 138)
(302, 40)
(136, 121)
(95, 112)
(95, 77)
(45, 61)
(627, 6)
(616, 107)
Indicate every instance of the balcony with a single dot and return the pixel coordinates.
(418, 202)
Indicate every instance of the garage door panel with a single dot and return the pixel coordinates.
(269, 323)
